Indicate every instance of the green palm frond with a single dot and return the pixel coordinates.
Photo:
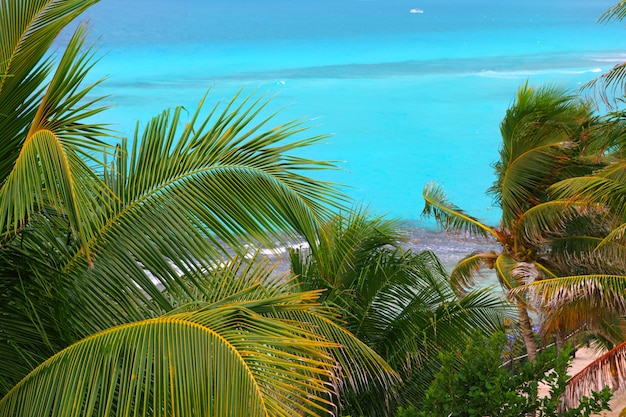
(240, 177)
(397, 302)
(246, 285)
(185, 201)
(538, 132)
(449, 216)
(505, 267)
(227, 360)
(594, 189)
(549, 219)
(618, 12)
(610, 86)
(586, 254)
(27, 30)
(463, 275)
(50, 166)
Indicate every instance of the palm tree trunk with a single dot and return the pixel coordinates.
(527, 332)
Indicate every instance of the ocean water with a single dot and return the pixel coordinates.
(408, 97)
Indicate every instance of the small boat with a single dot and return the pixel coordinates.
(416, 11)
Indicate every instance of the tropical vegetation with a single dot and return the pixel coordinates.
(116, 279)
(399, 303)
(559, 182)
(473, 383)
(132, 280)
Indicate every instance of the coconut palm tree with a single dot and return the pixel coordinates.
(103, 245)
(595, 295)
(543, 135)
(399, 303)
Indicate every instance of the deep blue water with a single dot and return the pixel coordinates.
(408, 97)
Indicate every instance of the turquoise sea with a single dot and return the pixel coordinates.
(411, 90)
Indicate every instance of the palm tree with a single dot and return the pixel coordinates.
(111, 244)
(399, 303)
(595, 295)
(543, 134)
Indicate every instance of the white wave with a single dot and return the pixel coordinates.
(519, 74)
(611, 60)
(416, 11)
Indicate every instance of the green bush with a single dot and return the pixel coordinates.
(473, 383)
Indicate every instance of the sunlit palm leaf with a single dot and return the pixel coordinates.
(548, 219)
(250, 288)
(595, 189)
(220, 361)
(449, 216)
(27, 29)
(186, 200)
(399, 303)
(50, 167)
(463, 275)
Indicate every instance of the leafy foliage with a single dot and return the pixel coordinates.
(399, 303)
(253, 347)
(474, 383)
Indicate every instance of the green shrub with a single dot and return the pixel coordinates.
(473, 383)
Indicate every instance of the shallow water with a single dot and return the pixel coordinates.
(409, 97)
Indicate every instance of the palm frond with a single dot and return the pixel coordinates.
(538, 133)
(610, 86)
(449, 216)
(618, 12)
(609, 370)
(575, 300)
(594, 189)
(183, 205)
(213, 361)
(549, 219)
(504, 267)
(587, 254)
(463, 275)
(27, 30)
(50, 167)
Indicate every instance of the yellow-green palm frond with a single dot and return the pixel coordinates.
(187, 200)
(587, 254)
(449, 216)
(228, 176)
(513, 273)
(218, 360)
(463, 275)
(618, 11)
(27, 29)
(548, 220)
(51, 161)
(596, 189)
